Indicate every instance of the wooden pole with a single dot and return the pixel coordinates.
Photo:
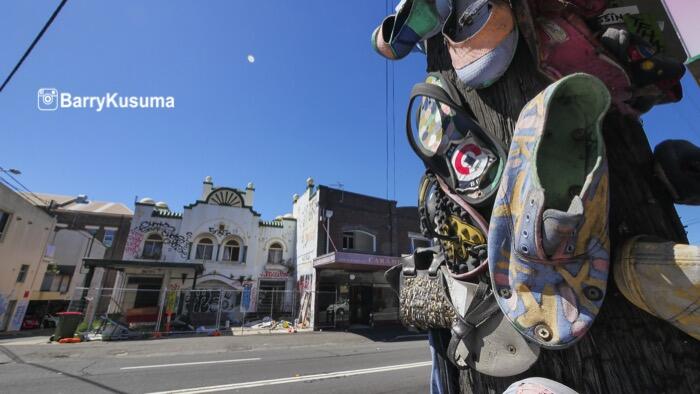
(627, 349)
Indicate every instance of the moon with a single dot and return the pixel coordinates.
(251, 59)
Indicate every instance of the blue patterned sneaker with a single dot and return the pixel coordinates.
(548, 239)
(414, 21)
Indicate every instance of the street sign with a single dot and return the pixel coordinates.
(684, 15)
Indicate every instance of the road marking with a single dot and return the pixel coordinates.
(14, 342)
(297, 379)
(193, 363)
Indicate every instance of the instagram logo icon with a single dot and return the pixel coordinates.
(47, 99)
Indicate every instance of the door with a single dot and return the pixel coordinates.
(360, 304)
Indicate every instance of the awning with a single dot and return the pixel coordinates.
(66, 269)
(197, 267)
(355, 261)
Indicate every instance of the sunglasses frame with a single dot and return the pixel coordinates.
(436, 161)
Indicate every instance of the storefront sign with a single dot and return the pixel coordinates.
(684, 15)
(306, 212)
(647, 19)
(274, 274)
(356, 258)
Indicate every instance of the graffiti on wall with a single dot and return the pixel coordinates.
(204, 301)
(220, 230)
(178, 243)
(133, 243)
(304, 283)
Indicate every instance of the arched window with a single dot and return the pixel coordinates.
(153, 247)
(274, 254)
(205, 249)
(232, 251)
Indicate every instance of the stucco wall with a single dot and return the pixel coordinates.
(220, 224)
(23, 242)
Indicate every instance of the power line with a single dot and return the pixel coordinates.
(386, 110)
(386, 123)
(23, 186)
(36, 39)
(81, 232)
(19, 192)
(393, 122)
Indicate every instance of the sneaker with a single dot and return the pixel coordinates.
(646, 65)
(481, 37)
(566, 46)
(414, 21)
(538, 386)
(662, 278)
(677, 165)
(548, 239)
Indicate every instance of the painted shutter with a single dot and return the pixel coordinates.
(245, 253)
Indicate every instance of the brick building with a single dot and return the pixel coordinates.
(345, 242)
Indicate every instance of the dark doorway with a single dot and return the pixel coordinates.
(360, 304)
(148, 291)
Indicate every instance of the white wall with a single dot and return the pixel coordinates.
(306, 212)
(219, 223)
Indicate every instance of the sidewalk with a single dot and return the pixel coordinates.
(40, 332)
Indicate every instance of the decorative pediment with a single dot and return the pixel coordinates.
(225, 197)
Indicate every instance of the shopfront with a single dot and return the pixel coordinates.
(351, 291)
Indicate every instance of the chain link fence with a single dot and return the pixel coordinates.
(134, 313)
(128, 313)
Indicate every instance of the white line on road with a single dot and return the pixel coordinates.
(193, 363)
(297, 379)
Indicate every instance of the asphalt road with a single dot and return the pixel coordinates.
(327, 362)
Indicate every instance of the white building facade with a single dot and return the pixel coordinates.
(224, 237)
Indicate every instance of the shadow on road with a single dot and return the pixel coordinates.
(19, 360)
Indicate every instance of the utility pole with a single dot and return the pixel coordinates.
(627, 350)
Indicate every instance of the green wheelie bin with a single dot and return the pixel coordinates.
(67, 324)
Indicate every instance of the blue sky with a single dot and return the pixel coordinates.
(312, 103)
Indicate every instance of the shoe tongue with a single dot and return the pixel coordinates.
(559, 225)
